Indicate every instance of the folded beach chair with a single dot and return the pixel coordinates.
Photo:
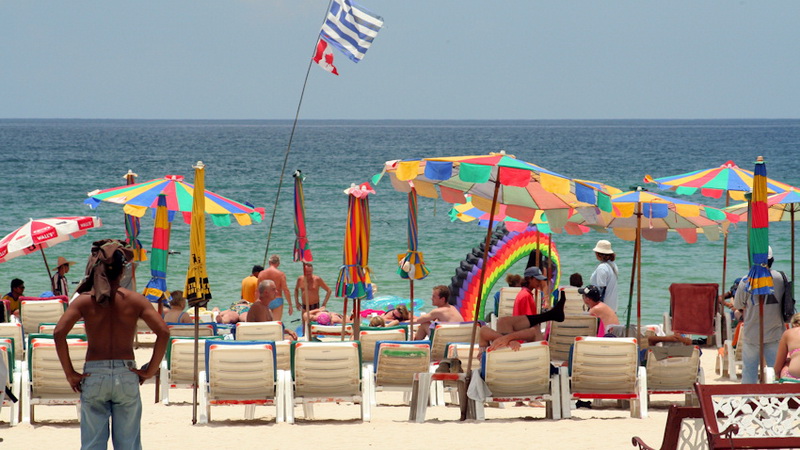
(48, 328)
(443, 333)
(259, 331)
(205, 329)
(14, 331)
(729, 358)
(563, 334)
(326, 372)
(505, 304)
(177, 368)
(692, 310)
(674, 370)
(605, 368)
(13, 379)
(521, 376)
(34, 311)
(331, 333)
(574, 303)
(396, 362)
(45, 383)
(368, 336)
(241, 373)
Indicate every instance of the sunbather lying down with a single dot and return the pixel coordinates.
(231, 316)
(324, 317)
(511, 330)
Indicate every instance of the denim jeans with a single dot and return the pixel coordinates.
(750, 360)
(110, 391)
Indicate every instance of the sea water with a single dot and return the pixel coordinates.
(48, 166)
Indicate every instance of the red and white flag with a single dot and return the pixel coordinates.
(324, 57)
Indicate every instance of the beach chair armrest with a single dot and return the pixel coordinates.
(637, 441)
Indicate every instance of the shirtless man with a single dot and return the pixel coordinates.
(279, 278)
(591, 298)
(258, 310)
(109, 382)
(526, 328)
(309, 285)
(443, 312)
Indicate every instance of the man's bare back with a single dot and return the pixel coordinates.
(277, 277)
(447, 313)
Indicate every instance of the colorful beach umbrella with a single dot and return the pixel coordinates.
(138, 197)
(467, 212)
(197, 291)
(411, 263)
(156, 288)
(781, 208)
(302, 249)
(637, 214)
(759, 278)
(354, 280)
(39, 234)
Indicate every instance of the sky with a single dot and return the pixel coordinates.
(434, 59)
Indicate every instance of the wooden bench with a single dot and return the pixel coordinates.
(750, 415)
(683, 430)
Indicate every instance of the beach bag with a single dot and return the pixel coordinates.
(787, 302)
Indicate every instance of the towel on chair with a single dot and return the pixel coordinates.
(693, 306)
(478, 390)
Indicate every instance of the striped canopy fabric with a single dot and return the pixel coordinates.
(524, 187)
(412, 265)
(715, 182)
(354, 277)
(780, 207)
(180, 195)
(302, 248)
(759, 279)
(350, 28)
(157, 286)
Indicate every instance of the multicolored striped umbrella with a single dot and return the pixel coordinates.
(302, 249)
(467, 212)
(157, 286)
(138, 197)
(715, 182)
(354, 277)
(411, 264)
(133, 228)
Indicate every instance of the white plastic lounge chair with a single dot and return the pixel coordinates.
(259, 331)
(396, 362)
(574, 303)
(326, 372)
(283, 355)
(369, 336)
(14, 378)
(605, 368)
(443, 333)
(34, 312)
(47, 328)
(45, 383)
(505, 307)
(141, 326)
(206, 329)
(330, 333)
(674, 374)
(241, 373)
(521, 376)
(14, 331)
(177, 368)
(563, 334)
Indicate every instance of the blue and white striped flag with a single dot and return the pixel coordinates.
(350, 28)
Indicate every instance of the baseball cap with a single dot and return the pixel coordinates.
(593, 292)
(534, 272)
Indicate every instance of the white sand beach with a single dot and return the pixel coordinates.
(339, 426)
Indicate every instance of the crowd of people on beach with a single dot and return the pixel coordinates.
(110, 313)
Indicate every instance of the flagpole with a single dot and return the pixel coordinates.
(291, 137)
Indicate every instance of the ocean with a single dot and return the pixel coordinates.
(49, 166)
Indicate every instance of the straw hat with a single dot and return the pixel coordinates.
(604, 247)
(62, 261)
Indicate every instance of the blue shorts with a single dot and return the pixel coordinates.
(276, 303)
(110, 391)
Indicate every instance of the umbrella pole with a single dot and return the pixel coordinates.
(468, 374)
(158, 374)
(356, 318)
(306, 317)
(344, 317)
(791, 214)
(761, 361)
(539, 301)
(630, 291)
(724, 264)
(196, 362)
(639, 274)
(411, 297)
(47, 266)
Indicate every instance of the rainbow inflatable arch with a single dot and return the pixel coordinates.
(507, 248)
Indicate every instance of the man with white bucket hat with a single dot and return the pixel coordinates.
(605, 276)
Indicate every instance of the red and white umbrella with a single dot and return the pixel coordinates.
(39, 234)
